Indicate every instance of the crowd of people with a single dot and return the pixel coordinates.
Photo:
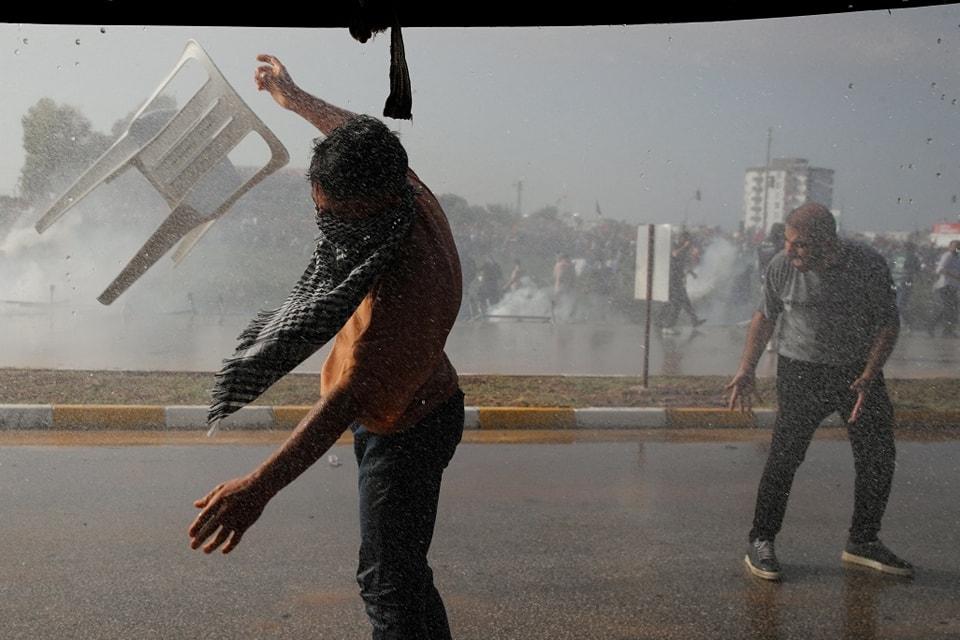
(545, 268)
(584, 272)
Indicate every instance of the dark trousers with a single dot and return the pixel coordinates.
(946, 310)
(807, 394)
(678, 301)
(399, 483)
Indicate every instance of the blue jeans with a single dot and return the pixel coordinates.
(807, 393)
(399, 483)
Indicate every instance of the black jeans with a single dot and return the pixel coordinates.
(807, 394)
(946, 310)
(399, 482)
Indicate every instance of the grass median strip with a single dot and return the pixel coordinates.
(169, 388)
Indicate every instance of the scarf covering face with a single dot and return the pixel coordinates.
(349, 257)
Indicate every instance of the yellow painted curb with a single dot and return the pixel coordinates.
(709, 419)
(927, 417)
(526, 418)
(77, 416)
(288, 417)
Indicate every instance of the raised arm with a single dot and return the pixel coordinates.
(274, 78)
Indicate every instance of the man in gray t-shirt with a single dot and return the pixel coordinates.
(838, 325)
(830, 315)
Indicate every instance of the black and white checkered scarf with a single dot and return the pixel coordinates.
(349, 256)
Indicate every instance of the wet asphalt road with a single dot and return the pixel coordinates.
(555, 536)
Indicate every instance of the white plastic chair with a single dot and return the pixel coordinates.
(175, 150)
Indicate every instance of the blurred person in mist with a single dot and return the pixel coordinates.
(681, 257)
(564, 288)
(905, 267)
(946, 301)
(513, 282)
(488, 284)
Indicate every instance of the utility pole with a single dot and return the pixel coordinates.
(766, 179)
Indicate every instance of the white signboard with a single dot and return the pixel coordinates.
(662, 239)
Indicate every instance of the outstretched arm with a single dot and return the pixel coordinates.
(744, 384)
(233, 506)
(274, 78)
(880, 350)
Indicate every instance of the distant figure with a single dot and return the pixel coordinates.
(564, 288)
(839, 324)
(603, 285)
(946, 304)
(513, 282)
(488, 279)
(678, 301)
(905, 266)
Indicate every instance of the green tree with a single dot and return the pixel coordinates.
(59, 143)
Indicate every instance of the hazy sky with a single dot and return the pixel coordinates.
(633, 118)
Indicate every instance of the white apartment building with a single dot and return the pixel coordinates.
(790, 182)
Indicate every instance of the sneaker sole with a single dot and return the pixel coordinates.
(760, 573)
(875, 564)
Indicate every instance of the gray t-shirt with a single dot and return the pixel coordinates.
(830, 316)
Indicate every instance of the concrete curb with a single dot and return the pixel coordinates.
(149, 417)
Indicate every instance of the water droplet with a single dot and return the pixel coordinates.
(933, 85)
(850, 86)
(929, 140)
(939, 40)
(16, 52)
(939, 174)
(26, 41)
(103, 29)
(77, 41)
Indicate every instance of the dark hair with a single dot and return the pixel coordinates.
(815, 219)
(361, 157)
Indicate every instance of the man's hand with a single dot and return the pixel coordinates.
(862, 388)
(742, 389)
(227, 512)
(274, 78)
